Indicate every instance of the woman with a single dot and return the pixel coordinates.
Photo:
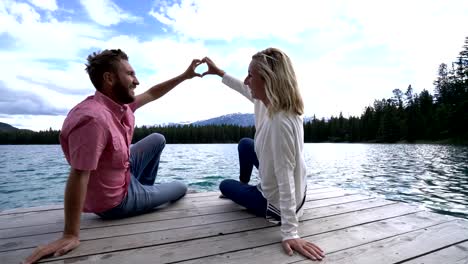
(279, 139)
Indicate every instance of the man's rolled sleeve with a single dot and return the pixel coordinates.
(86, 143)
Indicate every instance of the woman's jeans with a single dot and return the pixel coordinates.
(143, 195)
(241, 192)
(247, 159)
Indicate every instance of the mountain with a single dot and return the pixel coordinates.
(7, 127)
(231, 119)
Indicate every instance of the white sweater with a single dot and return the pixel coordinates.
(279, 143)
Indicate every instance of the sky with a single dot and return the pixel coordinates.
(346, 54)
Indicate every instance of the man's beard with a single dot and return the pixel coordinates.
(122, 93)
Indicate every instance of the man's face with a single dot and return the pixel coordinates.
(125, 83)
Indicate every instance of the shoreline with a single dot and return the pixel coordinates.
(451, 142)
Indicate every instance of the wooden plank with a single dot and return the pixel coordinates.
(331, 242)
(405, 246)
(201, 241)
(190, 197)
(327, 195)
(121, 230)
(148, 239)
(56, 216)
(32, 209)
(455, 254)
(93, 221)
(60, 206)
(335, 200)
(129, 229)
(311, 188)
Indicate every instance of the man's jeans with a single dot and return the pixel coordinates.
(143, 195)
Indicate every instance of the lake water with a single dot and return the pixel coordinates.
(432, 176)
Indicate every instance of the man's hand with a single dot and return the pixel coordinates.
(161, 89)
(212, 68)
(307, 249)
(75, 193)
(57, 248)
(190, 72)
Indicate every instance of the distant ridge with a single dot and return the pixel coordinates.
(230, 119)
(237, 119)
(7, 127)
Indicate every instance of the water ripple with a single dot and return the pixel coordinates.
(433, 176)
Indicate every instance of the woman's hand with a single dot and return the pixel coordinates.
(307, 249)
(212, 68)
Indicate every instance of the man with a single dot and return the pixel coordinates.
(108, 176)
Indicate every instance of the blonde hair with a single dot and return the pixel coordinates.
(281, 87)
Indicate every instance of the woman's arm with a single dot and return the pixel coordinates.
(238, 86)
(228, 80)
(284, 160)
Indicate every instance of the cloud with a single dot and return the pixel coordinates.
(25, 103)
(33, 37)
(53, 86)
(50, 5)
(362, 49)
(107, 13)
(244, 19)
(34, 122)
(13, 11)
(346, 54)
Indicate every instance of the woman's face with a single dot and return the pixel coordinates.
(255, 82)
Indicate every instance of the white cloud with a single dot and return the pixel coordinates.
(21, 12)
(42, 65)
(227, 20)
(107, 13)
(34, 122)
(328, 41)
(48, 53)
(346, 54)
(50, 5)
(33, 37)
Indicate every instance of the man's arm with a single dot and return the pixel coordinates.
(161, 89)
(75, 193)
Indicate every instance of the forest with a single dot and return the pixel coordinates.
(406, 116)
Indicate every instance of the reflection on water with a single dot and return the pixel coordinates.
(434, 176)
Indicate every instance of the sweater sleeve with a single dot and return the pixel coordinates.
(284, 165)
(238, 86)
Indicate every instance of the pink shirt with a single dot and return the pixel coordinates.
(96, 136)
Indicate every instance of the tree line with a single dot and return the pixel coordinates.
(174, 134)
(406, 116)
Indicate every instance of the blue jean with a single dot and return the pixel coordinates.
(245, 195)
(143, 195)
(247, 159)
(241, 192)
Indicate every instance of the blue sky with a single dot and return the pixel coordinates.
(346, 53)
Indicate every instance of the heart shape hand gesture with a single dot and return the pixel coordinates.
(212, 68)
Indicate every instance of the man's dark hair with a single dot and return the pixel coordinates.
(101, 62)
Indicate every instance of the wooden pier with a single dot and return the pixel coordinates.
(202, 228)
